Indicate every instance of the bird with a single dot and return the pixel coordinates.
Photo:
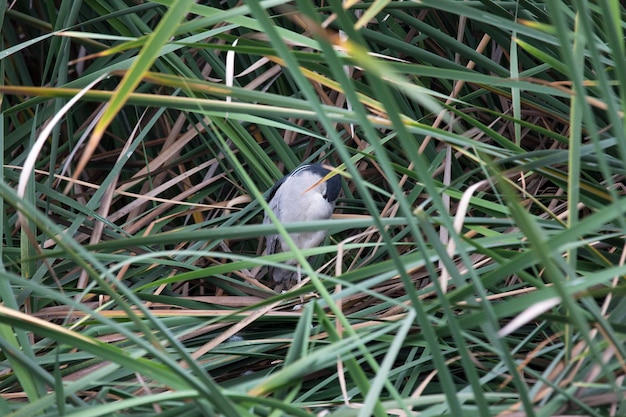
(300, 196)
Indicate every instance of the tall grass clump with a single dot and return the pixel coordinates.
(475, 262)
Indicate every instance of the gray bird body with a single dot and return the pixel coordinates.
(293, 200)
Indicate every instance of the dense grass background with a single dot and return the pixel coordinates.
(475, 265)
